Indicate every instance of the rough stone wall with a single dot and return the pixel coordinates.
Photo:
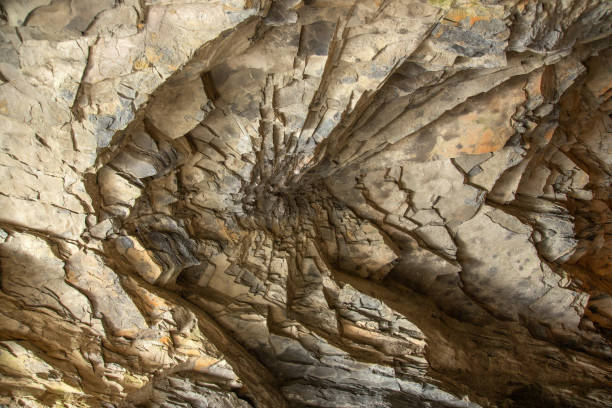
(254, 203)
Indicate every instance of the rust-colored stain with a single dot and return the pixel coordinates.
(140, 64)
(152, 303)
(190, 352)
(484, 129)
(548, 135)
(155, 302)
(203, 363)
(166, 340)
(458, 14)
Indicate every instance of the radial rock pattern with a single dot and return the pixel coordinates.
(317, 203)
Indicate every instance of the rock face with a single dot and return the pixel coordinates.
(255, 203)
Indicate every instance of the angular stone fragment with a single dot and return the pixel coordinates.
(86, 272)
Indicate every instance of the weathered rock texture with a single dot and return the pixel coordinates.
(254, 203)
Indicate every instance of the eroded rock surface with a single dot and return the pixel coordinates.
(291, 203)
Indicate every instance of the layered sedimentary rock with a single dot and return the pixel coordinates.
(289, 203)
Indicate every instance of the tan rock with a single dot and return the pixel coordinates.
(305, 203)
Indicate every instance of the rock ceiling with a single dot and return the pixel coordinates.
(246, 203)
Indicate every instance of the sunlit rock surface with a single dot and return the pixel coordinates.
(256, 203)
